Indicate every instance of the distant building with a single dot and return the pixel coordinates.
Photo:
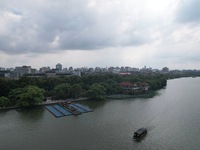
(135, 69)
(65, 69)
(20, 71)
(5, 74)
(165, 70)
(44, 69)
(124, 73)
(77, 73)
(83, 69)
(97, 70)
(126, 85)
(146, 70)
(71, 69)
(2, 69)
(104, 70)
(134, 88)
(116, 70)
(34, 71)
(110, 69)
(127, 69)
(91, 70)
(122, 69)
(51, 73)
(59, 67)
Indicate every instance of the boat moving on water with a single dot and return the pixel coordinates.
(140, 133)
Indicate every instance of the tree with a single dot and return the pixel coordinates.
(75, 79)
(62, 90)
(14, 95)
(4, 101)
(31, 95)
(97, 92)
(6, 85)
(111, 87)
(28, 96)
(76, 90)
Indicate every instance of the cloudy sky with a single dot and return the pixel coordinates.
(104, 33)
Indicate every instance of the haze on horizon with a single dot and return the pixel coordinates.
(135, 33)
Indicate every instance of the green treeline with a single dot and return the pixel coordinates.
(29, 91)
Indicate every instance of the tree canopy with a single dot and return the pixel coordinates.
(97, 92)
(76, 90)
(22, 92)
(4, 101)
(62, 90)
(28, 96)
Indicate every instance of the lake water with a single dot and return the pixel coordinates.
(172, 119)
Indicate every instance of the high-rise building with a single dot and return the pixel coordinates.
(71, 69)
(59, 67)
(165, 69)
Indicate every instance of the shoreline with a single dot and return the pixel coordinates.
(151, 94)
(47, 103)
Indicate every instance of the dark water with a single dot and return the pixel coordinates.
(172, 119)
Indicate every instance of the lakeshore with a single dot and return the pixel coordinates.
(28, 91)
(48, 102)
(149, 94)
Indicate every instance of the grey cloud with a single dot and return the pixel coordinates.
(189, 11)
(73, 24)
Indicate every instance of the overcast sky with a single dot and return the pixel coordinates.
(104, 33)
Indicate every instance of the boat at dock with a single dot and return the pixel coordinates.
(140, 133)
(73, 110)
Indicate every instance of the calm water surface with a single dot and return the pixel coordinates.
(172, 119)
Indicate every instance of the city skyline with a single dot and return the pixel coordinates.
(92, 33)
(60, 67)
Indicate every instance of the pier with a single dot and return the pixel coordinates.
(65, 109)
(83, 107)
(77, 108)
(54, 111)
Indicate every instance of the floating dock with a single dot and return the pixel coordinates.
(67, 110)
(54, 111)
(77, 108)
(62, 110)
(84, 107)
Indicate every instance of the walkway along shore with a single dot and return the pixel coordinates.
(48, 103)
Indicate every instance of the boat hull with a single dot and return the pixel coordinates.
(140, 137)
(140, 134)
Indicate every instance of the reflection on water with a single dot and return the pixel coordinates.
(172, 119)
(31, 114)
(94, 104)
